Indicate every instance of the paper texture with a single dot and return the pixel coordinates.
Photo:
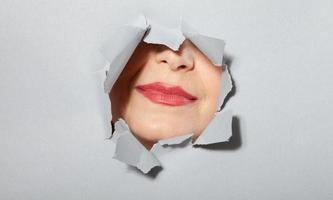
(118, 51)
(218, 130)
(212, 47)
(130, 151)
(120, 48)
(175, 140)
(226, 87)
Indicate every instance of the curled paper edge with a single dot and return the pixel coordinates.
(130, 151)
(218, 130)
(175, 140)
(212, 47)
(119, 50)
(226, 86)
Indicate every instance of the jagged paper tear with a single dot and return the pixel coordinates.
(118, 51)
(130, 151)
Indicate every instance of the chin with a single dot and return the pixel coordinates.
(154, 132)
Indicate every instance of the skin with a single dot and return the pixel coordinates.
(188, 68)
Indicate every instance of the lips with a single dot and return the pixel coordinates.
(159, 93)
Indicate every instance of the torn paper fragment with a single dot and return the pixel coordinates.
(175, 140)
(158, 34)
(226, 87)
(130, 151)
(213, 48)
(218, 130)
(121, 128)
(121, 47)
(157, 149)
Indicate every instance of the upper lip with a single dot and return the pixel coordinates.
(166, 89)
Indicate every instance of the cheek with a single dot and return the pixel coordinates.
(143, 75)
(140, 57)
(211, 78)
(121, 90)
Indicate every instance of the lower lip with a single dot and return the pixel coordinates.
(166, 99)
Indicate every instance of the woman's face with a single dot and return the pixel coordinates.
(163, 93)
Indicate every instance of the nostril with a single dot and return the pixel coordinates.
(182, 67)
(164, 61)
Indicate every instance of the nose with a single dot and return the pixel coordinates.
(182, 60)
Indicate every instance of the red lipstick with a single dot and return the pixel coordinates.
(159, 93)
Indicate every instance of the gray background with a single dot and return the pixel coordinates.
(53, 119)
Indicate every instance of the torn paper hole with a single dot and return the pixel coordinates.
(159, 79)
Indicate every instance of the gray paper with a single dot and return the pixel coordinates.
(130, 151)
